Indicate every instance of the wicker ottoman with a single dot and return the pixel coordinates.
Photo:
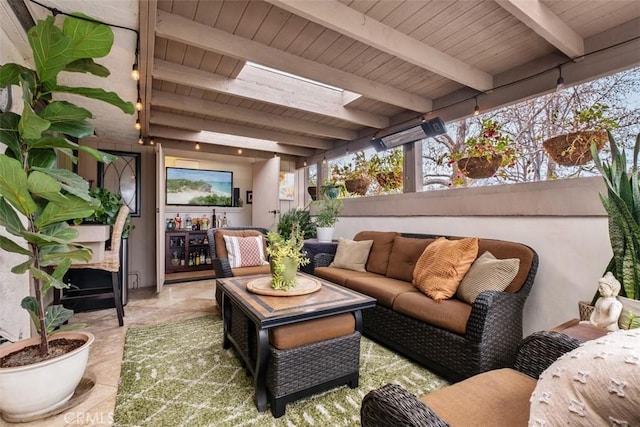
(304, 358)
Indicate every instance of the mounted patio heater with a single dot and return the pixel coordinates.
(427, 129)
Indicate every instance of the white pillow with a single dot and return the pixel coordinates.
(597, 384)
(245, 251)
(487, 273)
(352, 255)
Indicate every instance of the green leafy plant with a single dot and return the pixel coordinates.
(333, 188)
(301, 217)
(387, 169)
(30, 183)
(283, 254)
(622, 203)
(592, 118)
(328, 211)
(490, 142)
(107, 212)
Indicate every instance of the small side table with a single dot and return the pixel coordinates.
(314, 247)
(583, 333)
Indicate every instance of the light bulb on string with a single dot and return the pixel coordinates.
(139, 104)
(239, 150)
(197, 145)
(138, 125)
(476, 109)
(304, 163)
(324, 160)
(135, 73)
(140, 140)
(560, 81)
(151, 141)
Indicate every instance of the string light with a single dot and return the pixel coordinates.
(151, 141)
(135, 73)
(324, 160)
(139, 103)
(239, 150)
(140, 140)
(304, 163)
(197, 145)
(138, 125)
(476, 109)
(560, 81)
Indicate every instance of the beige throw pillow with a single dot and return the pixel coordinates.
(442, 266)
(597, 384)
(352, 255)
(487, 273)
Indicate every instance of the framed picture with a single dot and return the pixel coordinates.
(287, 188)
(249, 197)
(122, 176)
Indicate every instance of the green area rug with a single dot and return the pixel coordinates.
(178, 374)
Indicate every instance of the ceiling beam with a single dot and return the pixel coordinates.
(186, 31)
(349, 98)
(178, 121)
(546, 24)
(255, 89)
(345, 20)
(200, 106)
(147, 19)
(228, 140)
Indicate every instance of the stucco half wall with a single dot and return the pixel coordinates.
(563, 221)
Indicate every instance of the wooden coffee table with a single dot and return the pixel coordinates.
(266, 312)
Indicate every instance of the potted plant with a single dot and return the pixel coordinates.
(481, 156)
(285, 257)
(387, 169)
(356, 176)
(301, 217)
(587, 126)
(333, 188)
(622, 203)
(33, 188)
(327, 214)
(312, 185)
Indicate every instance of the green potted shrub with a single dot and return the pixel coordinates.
(285, 257)
(622, 203)
(32, 188)
(356, 175)
(327, 212)
(301, 217)
(333, 188)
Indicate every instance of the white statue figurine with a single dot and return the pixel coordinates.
(608, 308)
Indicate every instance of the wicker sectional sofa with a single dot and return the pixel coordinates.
(451, 337)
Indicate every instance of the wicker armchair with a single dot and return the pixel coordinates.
(111, 263)
(221, 266)
(391, 405)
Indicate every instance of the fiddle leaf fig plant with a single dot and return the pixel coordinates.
(31, 186)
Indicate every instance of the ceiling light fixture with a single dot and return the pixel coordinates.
(476, 109)
(560, 81)
(424, 130)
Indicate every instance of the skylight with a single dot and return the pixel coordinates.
(284, 73)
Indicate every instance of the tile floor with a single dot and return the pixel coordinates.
(145, 307)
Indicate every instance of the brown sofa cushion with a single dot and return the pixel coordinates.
(340, 275)
(248, 271)
(442, 266)
(379, 254)
(494, 398)
(383, 289)
(221, 248)
(404, 255)
(451, 314)
(311, 331)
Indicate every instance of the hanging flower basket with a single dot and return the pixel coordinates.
(389, 180)
(357, 186)
(574, 149)
(479, 167)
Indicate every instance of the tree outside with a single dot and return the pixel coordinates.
(612, 102)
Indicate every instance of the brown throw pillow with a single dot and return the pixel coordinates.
(442, 266)
(352, 255)
(487, 273)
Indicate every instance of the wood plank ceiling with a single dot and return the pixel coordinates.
(208, 66)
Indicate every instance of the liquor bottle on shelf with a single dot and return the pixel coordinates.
(202, 257)
(208, 257)
(187, 222)
(224, 220)
(197, 258)
(178, 222)
(190, 259)
(182, 259)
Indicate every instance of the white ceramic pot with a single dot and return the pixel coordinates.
(29, 391)
(325, 234)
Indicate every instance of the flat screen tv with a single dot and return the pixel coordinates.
(198, 187)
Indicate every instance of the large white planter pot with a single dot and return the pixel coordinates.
(325, 234)
(29, 391)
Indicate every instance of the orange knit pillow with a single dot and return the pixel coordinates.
(442, 266)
